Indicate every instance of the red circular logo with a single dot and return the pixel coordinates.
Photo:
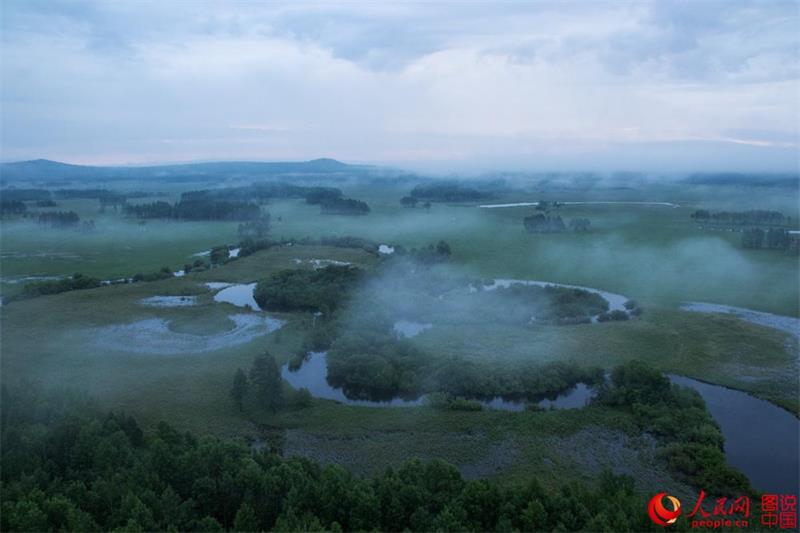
(659, 514)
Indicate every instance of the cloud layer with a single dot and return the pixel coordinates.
(565, 85)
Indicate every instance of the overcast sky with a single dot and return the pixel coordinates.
(696, 85)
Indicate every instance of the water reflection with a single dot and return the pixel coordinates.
(761, 439)
(240, 295)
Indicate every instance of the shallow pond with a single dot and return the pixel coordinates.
(761, 439)
(788, 324)
(313, 375)
(239, 295)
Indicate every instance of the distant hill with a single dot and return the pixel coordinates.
(43, 169)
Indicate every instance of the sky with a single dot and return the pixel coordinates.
(696, 85)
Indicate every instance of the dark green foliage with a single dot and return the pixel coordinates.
(444, 401)
(322, 289)
(347, 242)
(263, 192)
(426, 255)
(524, 380)
(197, 266)
(246, 519)
(343, 206)
(199, 209)
(74, 283)
(251, 246)
(72, 469)
(372, 365)
(692, 440)
(369, 363)
(239, 387)
(163, 273)
(319, 195)
(267, 385)
(219, 254)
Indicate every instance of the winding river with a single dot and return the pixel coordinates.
(761, 439)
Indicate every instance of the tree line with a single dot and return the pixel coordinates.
(343, 206)
(754, 217)
(447, 192)
(263, 192)
(200, 209)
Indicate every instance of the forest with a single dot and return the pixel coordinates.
(321, 290)
(196, 209)
(448, 192)
(343, 206)
(753, 217)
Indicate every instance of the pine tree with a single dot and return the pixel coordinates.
(267, 384)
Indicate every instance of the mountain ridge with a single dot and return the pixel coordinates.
(57, 170)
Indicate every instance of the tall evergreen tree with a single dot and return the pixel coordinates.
(267, 384)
